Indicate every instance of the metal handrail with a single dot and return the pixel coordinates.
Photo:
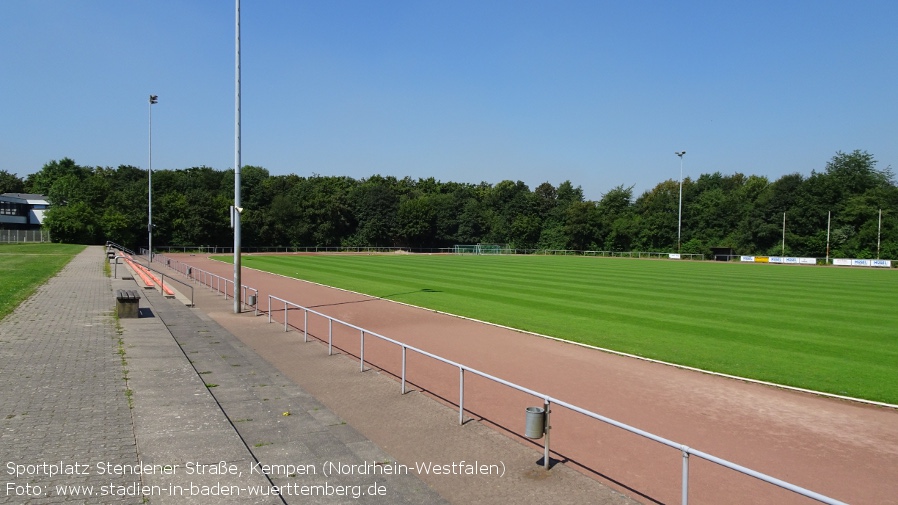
(207, 278)
(547, 400)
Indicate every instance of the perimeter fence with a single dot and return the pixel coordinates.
(221, 285)
(16, 236)
(479, 249)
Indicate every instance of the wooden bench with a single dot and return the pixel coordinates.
(127, 302)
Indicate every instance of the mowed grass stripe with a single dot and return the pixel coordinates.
(827, 329)
(565, 294)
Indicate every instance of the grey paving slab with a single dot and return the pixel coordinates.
(63, 406)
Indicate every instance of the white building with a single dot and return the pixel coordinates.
(22, 211)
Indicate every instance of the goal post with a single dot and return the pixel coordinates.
(479, 249)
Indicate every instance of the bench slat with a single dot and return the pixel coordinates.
(127, 294)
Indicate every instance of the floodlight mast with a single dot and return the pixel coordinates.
(236, 213)
(153, 99)
(680, 212)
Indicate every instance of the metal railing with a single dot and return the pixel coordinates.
(425, 250)
(113, 245)
(148, 267)
(548, 401)
(213, 281)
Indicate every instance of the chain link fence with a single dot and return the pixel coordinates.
(15, 236)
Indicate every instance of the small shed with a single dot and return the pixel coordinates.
(722, 253)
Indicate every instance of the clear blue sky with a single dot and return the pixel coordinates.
(598, 92)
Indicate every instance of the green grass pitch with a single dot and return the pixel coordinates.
(24, 267)
(827, 329)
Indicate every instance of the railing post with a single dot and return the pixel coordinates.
(269, 309)
(362, 352)
(403, 369)
(330, 337)
(547, 406)
(305, 325)
(285, 316)
(685, 475)
(461, 396)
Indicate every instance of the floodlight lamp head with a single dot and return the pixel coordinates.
(680, 153)
(154, 99)
(239, 210)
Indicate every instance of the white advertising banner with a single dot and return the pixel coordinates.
(775, 259)
(673, 256)
(807, 261)
(750, 259)
(790, 261)
(843, 262)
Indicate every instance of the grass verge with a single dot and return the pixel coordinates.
(24, 267)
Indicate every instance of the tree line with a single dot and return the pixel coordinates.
(744, 212)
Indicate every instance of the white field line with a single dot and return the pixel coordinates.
(610, 351)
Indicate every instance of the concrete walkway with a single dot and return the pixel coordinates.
(63, 408)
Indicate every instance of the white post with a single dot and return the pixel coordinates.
(362, 351)
(403, 369)
(461, 396)
(784, 234)
(685, 486)
(829, 217)
(879, 234)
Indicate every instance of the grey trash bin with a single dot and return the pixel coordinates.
(536, 422)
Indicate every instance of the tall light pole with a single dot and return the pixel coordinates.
(153, 99)
(680, 212)
(237, 209)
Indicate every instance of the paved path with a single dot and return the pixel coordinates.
(62, 393)
(842, 449)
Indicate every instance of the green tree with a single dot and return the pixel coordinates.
(615, 209)
(10, 183)
(76, 223)
(582, 226)
(42, 181)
